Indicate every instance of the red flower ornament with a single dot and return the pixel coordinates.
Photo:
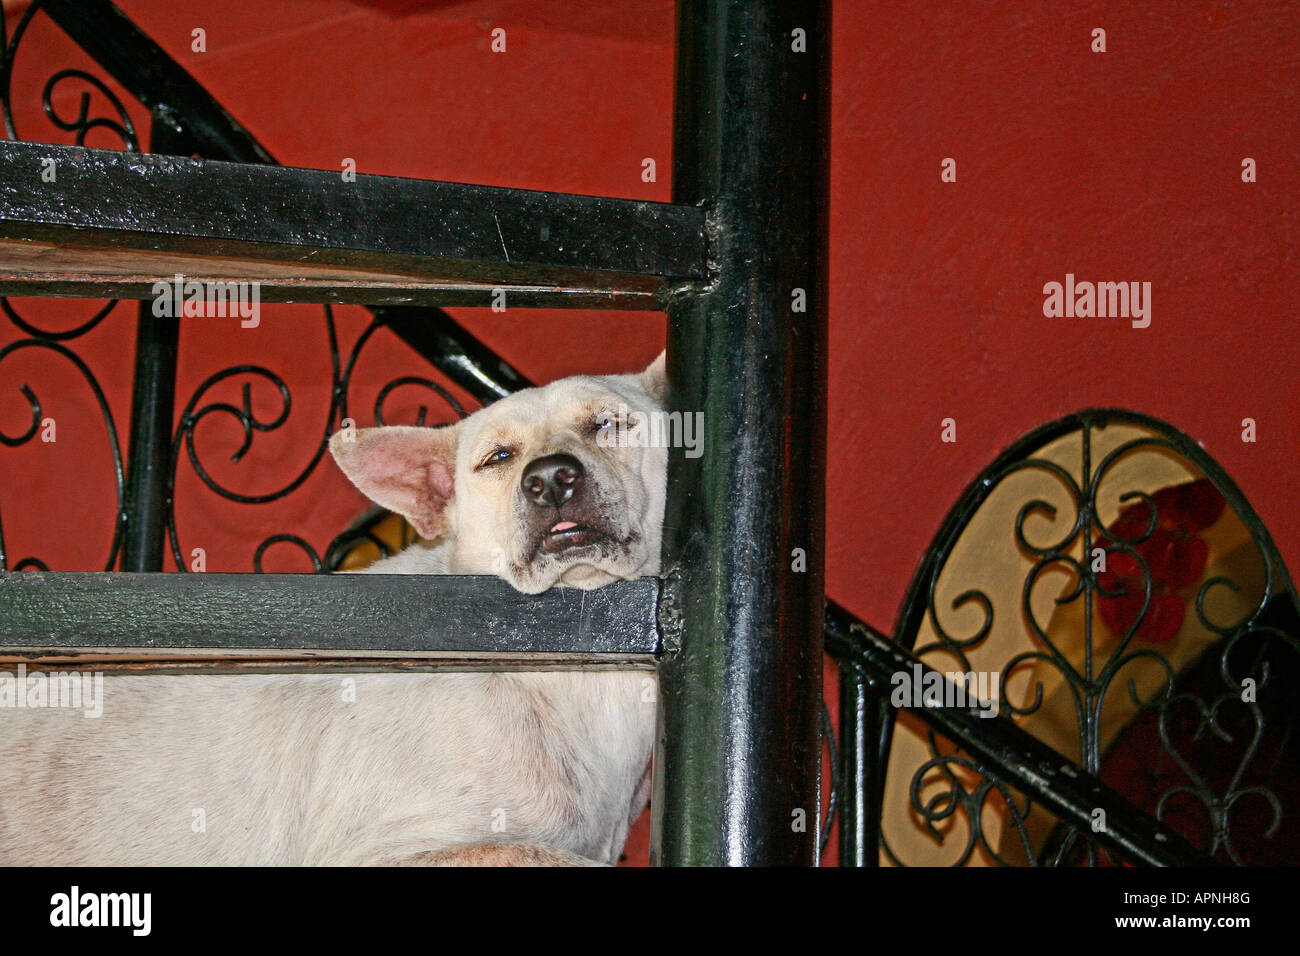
(1174, 552)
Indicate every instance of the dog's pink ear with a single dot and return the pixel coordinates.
(655, 378)
(407, 470)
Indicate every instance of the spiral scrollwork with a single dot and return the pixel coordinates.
(1087, 663)
(80, 123)
(93, 108)
(197, 409)
(83, 122)
(959, 791)
(37, 419)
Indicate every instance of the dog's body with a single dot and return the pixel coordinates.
(547, 767)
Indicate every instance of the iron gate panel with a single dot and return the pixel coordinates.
(1129, 639)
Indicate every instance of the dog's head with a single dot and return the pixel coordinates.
(540, 487)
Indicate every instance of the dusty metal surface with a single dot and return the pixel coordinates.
(462, 620)
(115, 222)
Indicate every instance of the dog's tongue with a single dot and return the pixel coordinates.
(564, 526)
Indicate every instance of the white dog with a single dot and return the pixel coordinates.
(450, 768)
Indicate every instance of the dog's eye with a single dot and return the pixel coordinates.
(603, 423)
(495, 457)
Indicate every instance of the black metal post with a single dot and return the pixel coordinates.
(152, 409)
(864, 751)
(737, 758)
(152, 406)
(860, 771)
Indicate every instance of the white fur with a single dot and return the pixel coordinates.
(434, 768)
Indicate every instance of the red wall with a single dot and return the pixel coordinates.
(1117, 166)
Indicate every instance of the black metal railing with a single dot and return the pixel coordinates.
(1177, 652)
(129, 214)
(736, 634)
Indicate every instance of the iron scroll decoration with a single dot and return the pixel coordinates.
(49, 340)
(115, 119)
(203, 404)
(1246, 650)
(195, 411)
(1262, 647)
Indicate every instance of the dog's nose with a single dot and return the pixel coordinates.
(552, 479)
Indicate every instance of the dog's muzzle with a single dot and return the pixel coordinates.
(555, 488)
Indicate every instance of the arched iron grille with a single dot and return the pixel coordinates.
(1163, 661)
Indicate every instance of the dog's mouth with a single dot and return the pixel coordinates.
(581, 549)
(570, 535)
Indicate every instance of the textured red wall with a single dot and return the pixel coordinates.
(1117, 166)
(1123, 165)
